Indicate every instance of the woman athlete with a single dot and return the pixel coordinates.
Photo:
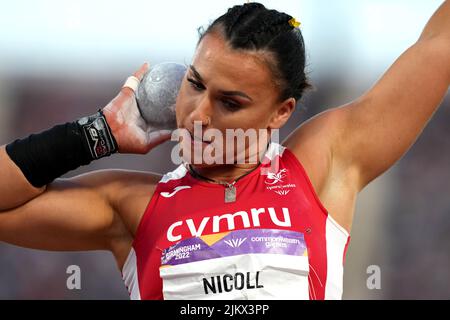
(275, 229)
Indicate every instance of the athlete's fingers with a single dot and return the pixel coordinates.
(157, 137)
(142, 71)
(132, 83)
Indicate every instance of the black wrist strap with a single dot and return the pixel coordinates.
(48, 155)
(98, 137)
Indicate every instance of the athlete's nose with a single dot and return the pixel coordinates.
(202, 113)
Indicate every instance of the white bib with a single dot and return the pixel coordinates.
(242, 264)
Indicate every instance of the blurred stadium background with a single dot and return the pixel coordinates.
(60, 60)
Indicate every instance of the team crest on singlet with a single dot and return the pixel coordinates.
(276, 182)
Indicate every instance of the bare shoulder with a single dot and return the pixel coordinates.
(313, 143)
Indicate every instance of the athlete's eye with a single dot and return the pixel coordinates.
(231, 105)
(196, 85)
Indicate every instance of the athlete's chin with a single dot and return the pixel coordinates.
(205, 162)
(203, 156)
(206, 165)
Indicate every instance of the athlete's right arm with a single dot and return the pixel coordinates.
(80, 213)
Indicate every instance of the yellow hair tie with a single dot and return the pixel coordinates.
(294, 23)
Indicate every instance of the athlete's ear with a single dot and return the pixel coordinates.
(282, 113)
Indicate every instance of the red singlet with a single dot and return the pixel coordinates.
(281, 204)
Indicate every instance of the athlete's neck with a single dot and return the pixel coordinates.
(228, 173)
(225, 173)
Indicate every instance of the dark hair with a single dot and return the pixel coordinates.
(252, 26)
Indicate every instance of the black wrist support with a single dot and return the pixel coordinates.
(48, 155)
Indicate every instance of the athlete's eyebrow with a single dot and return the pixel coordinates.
(235, 93)
(196, 73)
(225, 93)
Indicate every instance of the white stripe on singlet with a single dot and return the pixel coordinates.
(274, 149)
(130, 277)
(176, 174)
(336, 239)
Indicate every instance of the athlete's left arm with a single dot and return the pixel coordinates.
(377, 129)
